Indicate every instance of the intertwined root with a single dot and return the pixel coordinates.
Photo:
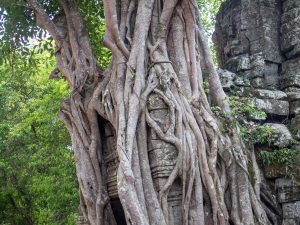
(158, 48)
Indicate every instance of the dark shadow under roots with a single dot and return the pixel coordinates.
(108, 139)
(118, 211)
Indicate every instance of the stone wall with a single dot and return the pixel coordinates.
(258, 50)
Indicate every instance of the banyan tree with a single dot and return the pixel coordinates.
(149, 149)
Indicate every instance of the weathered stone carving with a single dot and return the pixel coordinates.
(162, 157)
(80, 220)
(111, 160)
(260, 41)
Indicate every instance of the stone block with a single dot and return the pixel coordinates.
(80, 220)
(296, 166)
(290, 15)
(226, 78)
(272, 106)
(294, 52)
(290, 73)
(269, 14)
(290, 25)
(271, 36)
(253, 35)
(258, 82)
(288, 190)
(275, 171)
(241, 81)
(269, 4)
(290, 39)
(256, 46)
(290, 80)
(292, 89)
(271, 50)
(289, 194)
(284, 136)
(243, 91)
(283, 182)
(290, 5)
(244, 44)
(156, 102)
(292, 65)
(292, 96)
(291, 222)
(152, 135)
(238, 47)
(295, 107)
(238, 63)
(257, 61)
(295, 126)
(161, 116)
(162, 157)
(291, 210)
(271, 74)
(269, 94)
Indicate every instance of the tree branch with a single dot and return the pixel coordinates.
(43, 20)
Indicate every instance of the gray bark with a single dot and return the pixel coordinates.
(174, 160)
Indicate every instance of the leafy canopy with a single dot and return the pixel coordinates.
(37, 172)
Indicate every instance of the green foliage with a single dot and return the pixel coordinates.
(243, 109)
(37, 172)
(245, 114)
(93, 15)
(255, 133)
(208, 11)
(252, 132)
(206, 87)
(18, 29)
(242, 113)
(282, 156)
(261, 134)
(19, 32)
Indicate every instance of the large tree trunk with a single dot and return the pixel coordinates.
(177, 163)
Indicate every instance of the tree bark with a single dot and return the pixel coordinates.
(152, 94)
